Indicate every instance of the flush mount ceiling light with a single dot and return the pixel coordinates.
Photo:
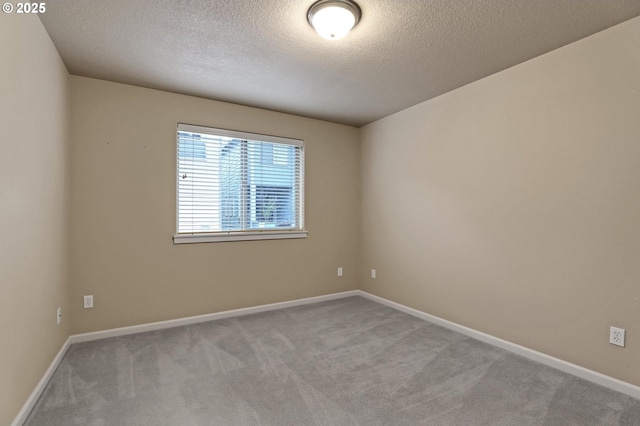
(333, 19)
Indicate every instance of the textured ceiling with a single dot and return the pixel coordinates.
(264, 53)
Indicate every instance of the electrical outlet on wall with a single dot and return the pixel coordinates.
(58, 316)
(616, 336)
(340, 271)
(88, 301)
(373, 273)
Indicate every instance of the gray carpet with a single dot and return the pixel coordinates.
(345, 362)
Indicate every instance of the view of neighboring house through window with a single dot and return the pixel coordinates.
(233, 182)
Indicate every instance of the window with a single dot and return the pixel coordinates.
(238, 186)
(193, 148)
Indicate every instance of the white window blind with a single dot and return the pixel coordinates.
(235, 185)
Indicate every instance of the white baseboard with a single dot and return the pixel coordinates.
(123, 331)
(567, 367)
(33, 398)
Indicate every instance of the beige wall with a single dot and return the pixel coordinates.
(512, 205)
(123, 211)
(34, 186)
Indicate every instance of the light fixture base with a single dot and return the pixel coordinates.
(333, 19)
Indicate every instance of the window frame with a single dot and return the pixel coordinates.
(238, 235)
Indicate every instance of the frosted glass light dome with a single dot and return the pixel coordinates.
(333, 19)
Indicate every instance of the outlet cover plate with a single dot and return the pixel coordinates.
(88, 301)
(617, 336)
